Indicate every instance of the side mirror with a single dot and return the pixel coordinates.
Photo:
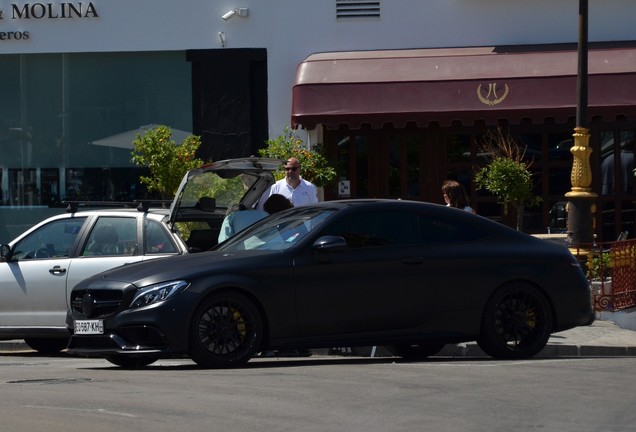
(5, 253)
(326, 244)
(330, 243)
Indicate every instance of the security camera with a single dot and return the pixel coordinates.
(229, 15)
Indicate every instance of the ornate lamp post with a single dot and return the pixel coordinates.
(581, 198)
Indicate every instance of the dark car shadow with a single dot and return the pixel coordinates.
(279, 362)
(32, 354)
(305, 362)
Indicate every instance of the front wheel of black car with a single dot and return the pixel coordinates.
(416, 352)
(517, 323)
(131, 362)
(226, 331)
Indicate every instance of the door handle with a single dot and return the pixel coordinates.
(57, 270)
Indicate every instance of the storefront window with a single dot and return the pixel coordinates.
(559, 179)
(413, 151)
(362, 166)
(459, 155)
(404, 164)
(531, 146)
(617, 162)
(415, 162)
(23, 187)
(56, 107)
(458, 148)
(395, 165)
(352, 165)
(559, 146)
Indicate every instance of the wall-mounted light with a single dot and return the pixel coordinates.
(229, 15)
(222, 39)
(242, 12)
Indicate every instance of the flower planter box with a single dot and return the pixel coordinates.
(601, 292)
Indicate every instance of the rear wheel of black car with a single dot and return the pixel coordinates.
(47, 345)
(517, 323)
(416, 352)
(226, 331)
(131, 362)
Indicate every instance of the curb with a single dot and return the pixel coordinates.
(470, 349)
(550, 351)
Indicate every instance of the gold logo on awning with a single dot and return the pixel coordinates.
(491, 98)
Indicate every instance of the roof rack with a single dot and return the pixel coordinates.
(144, 205)
(140, 205)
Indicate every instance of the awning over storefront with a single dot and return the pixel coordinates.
(461, 84)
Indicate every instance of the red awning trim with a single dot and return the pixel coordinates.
(465, 84)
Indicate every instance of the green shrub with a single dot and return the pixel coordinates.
(168, 161)
(315, 166)
(599, 267)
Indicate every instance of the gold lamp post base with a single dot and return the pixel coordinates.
(581, 205)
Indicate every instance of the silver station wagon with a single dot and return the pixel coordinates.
(40, 267)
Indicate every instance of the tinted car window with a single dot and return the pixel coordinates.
(435, 229)
(112, 236)
(278, 233)
(377, 228)
(157, 239)
(53, 240)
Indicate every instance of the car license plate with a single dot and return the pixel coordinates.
(89, 327)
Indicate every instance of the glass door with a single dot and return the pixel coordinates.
(387, 163)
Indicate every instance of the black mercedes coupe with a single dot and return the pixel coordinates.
(407, 275)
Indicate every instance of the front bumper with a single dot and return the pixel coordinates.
(160, 329)
(135, 340)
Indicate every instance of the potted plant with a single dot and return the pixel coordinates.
(507, 175)
(599, 273)
(599, 267)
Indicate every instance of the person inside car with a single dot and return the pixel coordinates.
(240, 217)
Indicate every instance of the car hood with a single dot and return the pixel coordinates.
(185, 267)
(214, 187)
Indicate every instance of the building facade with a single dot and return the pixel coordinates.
(383, 85)
(400, 122)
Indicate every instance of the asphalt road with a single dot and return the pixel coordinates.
(70, 394)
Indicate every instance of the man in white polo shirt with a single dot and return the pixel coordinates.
(298, 190)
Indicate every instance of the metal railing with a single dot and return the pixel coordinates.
(611, 270)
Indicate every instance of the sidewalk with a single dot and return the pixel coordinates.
(601, 339)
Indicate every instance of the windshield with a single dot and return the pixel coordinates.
(280, 232)
(225, 191)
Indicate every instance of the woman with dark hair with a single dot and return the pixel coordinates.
(276, 203)
(455, 196)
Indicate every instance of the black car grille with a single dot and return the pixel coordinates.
(95, 304)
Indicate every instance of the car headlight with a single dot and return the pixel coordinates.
(158, 293)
